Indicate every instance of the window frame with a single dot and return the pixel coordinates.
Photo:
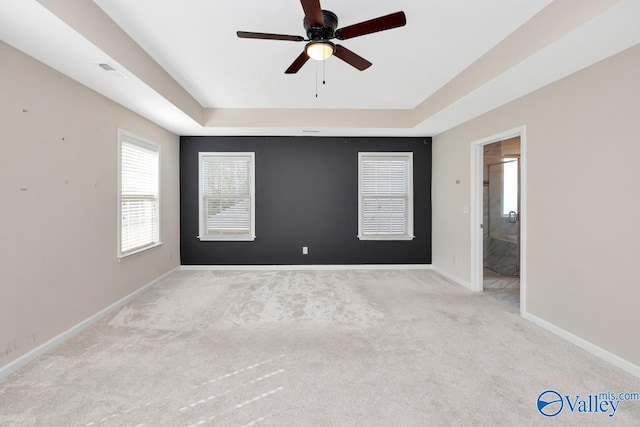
(509, 160)
(125, 137)
(251, 235)
(407, 156)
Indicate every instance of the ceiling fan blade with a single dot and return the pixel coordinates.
(351, 58)
(298, 63)
(382, 23)
(313, 12)
(268, 36)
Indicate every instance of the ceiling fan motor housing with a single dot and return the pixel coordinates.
(325, 32)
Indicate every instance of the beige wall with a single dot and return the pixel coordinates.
(583, 201)
(58, 220)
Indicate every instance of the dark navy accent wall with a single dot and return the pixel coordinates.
(306, 195)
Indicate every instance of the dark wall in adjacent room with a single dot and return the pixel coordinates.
(306, 195)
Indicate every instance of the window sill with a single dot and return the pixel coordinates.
(226, 238)
(123, 257)
(386, 237)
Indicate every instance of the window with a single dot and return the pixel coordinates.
(509, 186)
(385, 196)
(139, 196)
(227, 196)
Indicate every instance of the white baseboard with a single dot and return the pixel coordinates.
(54, 342)
(453, 278)
(599, 352)
(306, 267)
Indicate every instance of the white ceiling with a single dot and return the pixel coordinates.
(198, 46)
(426, 77)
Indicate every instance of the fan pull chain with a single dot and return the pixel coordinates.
(323, 72)
(316, 78)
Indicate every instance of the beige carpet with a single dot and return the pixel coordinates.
(344, 348)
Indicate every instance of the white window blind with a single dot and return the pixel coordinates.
(385, 196)
(139, 195)
(227, 196)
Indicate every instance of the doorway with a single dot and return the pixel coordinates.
(501, 223)
(497, 217)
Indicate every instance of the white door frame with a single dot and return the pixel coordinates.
(477, 169)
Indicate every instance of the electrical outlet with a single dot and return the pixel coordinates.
(305, 250)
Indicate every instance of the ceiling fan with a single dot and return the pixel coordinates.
(320, 26)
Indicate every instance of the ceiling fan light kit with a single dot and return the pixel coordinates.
(320, 50)
(321, 27)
